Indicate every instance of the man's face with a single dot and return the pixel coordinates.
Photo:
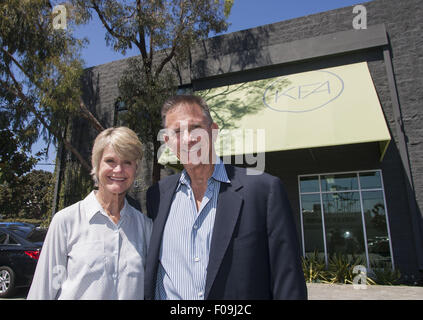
(189, 134)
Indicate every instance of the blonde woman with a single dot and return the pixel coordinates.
(96, 248)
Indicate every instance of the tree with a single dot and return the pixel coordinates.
(14, 162)
(40, 71)
(30, 197)
(37, 194)
(163, 31)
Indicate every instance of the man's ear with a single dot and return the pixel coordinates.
(215, 131)
(166, 138)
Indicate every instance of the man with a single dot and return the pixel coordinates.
(218, 233)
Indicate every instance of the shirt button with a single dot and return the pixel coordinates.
(200, 294)
(196, 259)
(114, 276)
(195, 226)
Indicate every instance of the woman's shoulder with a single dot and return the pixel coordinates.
(66, 215)
(137, 214)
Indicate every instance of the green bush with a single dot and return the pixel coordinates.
(340, 269)
(383, 274)
(314, 268)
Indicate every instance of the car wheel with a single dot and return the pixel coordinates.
(7, 282)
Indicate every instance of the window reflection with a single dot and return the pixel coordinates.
(377, 234)
(343, 223)
(309, 184)
(346, 200)
(370, 180)
(339, 182)
(312, 220)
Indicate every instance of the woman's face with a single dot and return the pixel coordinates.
(114, 174)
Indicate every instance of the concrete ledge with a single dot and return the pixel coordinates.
(318, 291)
(207, 64)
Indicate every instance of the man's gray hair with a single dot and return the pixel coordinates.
(185, 99)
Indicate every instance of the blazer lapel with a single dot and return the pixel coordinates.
(165, 199)
(227, 212)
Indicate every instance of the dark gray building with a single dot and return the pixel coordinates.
(359, 195)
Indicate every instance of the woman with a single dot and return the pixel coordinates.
(96, 248)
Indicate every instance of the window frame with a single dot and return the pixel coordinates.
(359, 190)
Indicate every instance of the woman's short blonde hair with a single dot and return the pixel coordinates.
(124, 142)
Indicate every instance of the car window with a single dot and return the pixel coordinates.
(12, 240)
(21, 231)
(37, 235)
(3, 238)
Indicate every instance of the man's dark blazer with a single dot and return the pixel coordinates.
(254, 251)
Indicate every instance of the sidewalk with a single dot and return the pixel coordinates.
(318, 291)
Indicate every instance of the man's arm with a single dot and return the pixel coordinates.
(284, 250)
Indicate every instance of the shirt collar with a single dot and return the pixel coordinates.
(93, 207)
(219, 174)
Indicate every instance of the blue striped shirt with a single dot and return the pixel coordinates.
(184, 253)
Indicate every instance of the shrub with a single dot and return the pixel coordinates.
(383, 274)
(314, 268)
(340, 269)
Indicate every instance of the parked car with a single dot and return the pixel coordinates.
(20, 248)
(18, 224)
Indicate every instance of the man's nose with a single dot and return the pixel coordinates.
(188, 137)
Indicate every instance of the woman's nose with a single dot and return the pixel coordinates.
(118, 168)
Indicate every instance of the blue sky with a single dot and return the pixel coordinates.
(245, 14)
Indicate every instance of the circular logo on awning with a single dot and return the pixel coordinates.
(303, 92)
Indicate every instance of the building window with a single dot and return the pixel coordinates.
(345, 213)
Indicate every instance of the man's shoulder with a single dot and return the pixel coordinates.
(248, 175)
(165, 182)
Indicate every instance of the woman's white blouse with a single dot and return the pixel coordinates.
(87, 256)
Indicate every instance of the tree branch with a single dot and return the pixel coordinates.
(40, 118)
(16, 62)
(141, 31)
(174, 44)
(88, 115)
(84, 110)
(108, 27)
(165, 61)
